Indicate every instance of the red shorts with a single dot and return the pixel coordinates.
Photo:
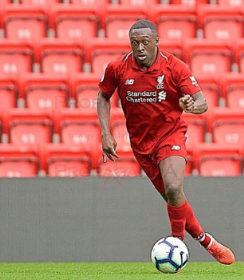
(174, 145)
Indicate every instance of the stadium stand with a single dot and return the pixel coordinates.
(52, 56)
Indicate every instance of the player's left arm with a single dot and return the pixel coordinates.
(195, 103)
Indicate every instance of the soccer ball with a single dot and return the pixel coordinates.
(170, 254)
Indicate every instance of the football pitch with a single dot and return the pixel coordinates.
(114, 271)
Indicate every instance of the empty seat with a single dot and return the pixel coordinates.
(232, 85)
(61, 160)
(189, 2)
(75, 21)
(121, 136)
(15, 57)
(25, 22)
(8, 94)
(221, 22)
(228, 126)
(174, 47)
(60, 56)
(211, 57)
(83, 134)
(40, 2)
(122, 167)
(216, 159)
(18, 161)
(42, 91)
(228, 3)
(68, 167)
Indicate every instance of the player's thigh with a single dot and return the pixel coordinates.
(172, 170)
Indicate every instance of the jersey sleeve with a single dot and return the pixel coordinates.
(108, 82)
(185, 81)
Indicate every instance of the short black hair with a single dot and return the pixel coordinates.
(144, 23)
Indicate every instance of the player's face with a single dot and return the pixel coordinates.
(144, 46)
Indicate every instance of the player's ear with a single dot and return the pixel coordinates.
(157, 40)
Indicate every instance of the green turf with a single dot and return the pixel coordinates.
(114, 271)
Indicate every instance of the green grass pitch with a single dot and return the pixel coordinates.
(115, 271)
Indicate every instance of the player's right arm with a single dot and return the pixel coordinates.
(108, 142)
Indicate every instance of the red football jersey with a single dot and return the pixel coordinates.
(149, 98)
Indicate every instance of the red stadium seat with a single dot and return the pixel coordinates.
(59, 56)
(172, 46)
(197, 128)
(138, 2)
(189, 2)
(212, 159)
(233, 90)
(18, 161)
(211, 88)
(25, 22)
(122, 167)
(40, 2)
(119, 18)
(15, 57)
(86, 134)
(75, 21)
(228, 3)
(102, 51)
(221, 22)
(208, 57)
(8, 93)
(175, 22)
(228, 126)
(121, 136)
(60, 160)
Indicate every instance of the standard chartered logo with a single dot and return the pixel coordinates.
(146, 96)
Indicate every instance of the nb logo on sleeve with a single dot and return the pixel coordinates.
(129, 82)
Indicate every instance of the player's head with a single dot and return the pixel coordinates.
(144, 40)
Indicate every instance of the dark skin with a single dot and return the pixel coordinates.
(144, 44)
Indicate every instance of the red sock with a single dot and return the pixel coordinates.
(194, 228)
(177, 218)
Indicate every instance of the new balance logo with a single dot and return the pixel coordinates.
(162, 95)
(129, 82)
(175, 147)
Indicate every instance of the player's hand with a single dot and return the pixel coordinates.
(109, 147)
(187, 103)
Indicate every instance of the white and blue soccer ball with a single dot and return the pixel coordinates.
(170, 255)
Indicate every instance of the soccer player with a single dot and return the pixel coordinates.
(155, 88)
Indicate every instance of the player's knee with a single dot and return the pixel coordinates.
(173, 191)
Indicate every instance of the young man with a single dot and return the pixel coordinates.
(155, 88)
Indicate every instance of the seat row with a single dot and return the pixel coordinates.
(60, 56)
(174, 22)
(61, 160)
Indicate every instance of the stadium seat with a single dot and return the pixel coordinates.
(174, 47)
(61, 160)
(60, 56)
(234, 3)
(121, 136)
(86, 134)
(25, 22)
(175, 22)
(208, 57)
(42, 91)
(211, 89)
(228, 126)
(18, 161)
(197, 128)
(8, 93)
(119, 18)
(221, 22)
(239, 54)
(40, 2)
(103, 50)
(15, 56)
(139, 3)
(75, 21)
(189, 2)
(233, 90)
(122, 167)
(214, 159)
